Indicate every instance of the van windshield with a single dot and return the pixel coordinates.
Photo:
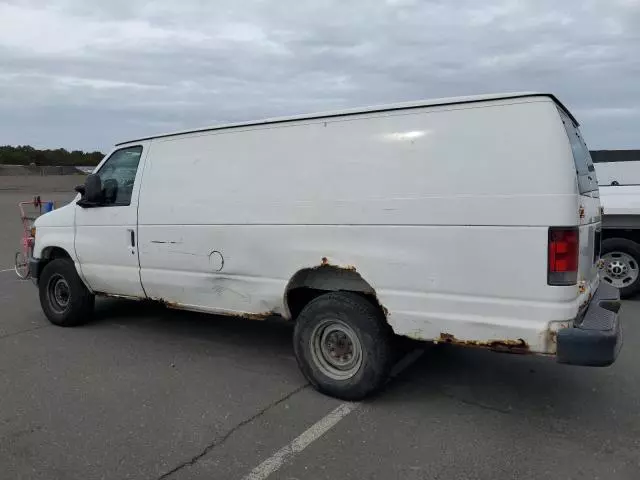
(587, 181)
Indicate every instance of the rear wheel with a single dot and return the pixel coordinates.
(621, 267)
(343, 345)
(64, 298)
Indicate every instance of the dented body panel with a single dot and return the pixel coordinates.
(440, 213)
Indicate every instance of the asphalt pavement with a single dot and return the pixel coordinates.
(143, 392)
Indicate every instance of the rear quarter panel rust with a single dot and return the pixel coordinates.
(510, 346)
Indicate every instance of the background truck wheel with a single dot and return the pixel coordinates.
(343, 345)
(64, 298)
(621, 265)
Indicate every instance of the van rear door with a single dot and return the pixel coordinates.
(589, 221)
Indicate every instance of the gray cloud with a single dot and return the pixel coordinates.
(85, 74)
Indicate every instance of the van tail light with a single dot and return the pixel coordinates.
(563, 256)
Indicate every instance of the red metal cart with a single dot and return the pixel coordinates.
(29, 211)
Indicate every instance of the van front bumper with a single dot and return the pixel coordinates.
(34, 268)
(595, 338)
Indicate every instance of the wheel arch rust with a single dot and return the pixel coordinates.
(309, 282)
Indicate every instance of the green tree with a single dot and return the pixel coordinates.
(26, 155)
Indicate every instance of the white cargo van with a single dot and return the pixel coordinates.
(472, 221)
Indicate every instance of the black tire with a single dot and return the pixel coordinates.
(631, 248)
(71, 304)
(373, 336)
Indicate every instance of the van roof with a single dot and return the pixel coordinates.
(373, 109)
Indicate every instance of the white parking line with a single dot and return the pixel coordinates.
(275, 461)
(315, 431)
(8, 270)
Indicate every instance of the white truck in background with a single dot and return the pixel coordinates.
(618, 173)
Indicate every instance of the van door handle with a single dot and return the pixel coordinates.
(133, 237)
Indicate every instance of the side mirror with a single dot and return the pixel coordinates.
(91, 191)
(93, 188)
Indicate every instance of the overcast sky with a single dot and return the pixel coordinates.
(88, 73)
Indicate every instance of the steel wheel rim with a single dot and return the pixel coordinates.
(58, 293)
(620, 269)
(336, 349)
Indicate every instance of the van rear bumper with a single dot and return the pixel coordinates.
(595, 338)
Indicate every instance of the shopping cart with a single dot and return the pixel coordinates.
(29, 211)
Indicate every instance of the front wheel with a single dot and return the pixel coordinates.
(621, 267)
(343, 345)
(64, 298)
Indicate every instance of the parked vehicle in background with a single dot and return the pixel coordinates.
(473, 221)
(618, 174)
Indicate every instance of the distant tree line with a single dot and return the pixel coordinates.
(27, 155)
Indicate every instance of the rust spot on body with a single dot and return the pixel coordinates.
(511, 346)
(166, 303)
(585, 304)
(582, 286)
(251, 316)
(125, 297)
(247, 315)
(325, 263)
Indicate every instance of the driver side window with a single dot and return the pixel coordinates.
(118, 175)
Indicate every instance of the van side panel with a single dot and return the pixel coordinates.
(444, 211)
